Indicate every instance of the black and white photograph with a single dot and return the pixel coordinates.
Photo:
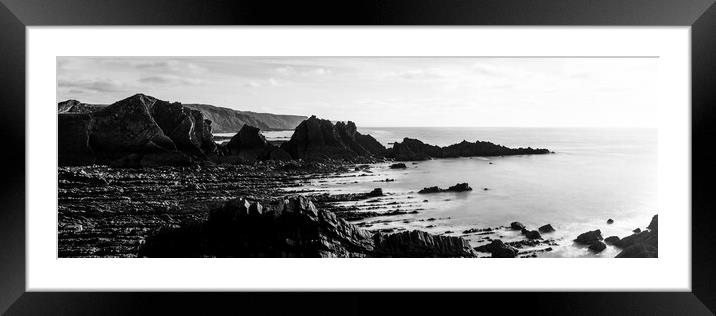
(357, 157)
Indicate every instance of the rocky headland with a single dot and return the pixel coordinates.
(414, 150)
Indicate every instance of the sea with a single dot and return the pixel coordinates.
(594, 174)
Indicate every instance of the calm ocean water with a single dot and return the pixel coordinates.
(595, 174)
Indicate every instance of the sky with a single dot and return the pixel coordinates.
(386, 91)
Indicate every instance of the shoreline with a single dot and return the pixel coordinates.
(111, 212)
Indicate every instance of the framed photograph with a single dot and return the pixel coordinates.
(238, 150)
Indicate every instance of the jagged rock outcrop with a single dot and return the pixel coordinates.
(291, 227)
(318, 139)
(644, 244)
(138, 125)
(412, 149)
(249, 144)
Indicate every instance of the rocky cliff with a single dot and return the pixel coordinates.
(291, 227)
(225, 120)
(412, 149)
(318, 139)
(132, 128)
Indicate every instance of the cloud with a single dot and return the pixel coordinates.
(173, 66)
(415, 74)
(262, 83)
(96, 85)
(171, 79)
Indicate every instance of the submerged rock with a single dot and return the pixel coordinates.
(517, 226)
(398, 166)
(610, 221)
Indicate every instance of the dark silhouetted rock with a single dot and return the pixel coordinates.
(610, 221)
(291, 227)
(398, 166)
(317, 139)
(412, 149)
(597, 246)
(637, 230)
(250, 145)
(531, 234)
(644, 244)
(498, 249)
(517, 226)
(612, 240)
(375, 193)
(546, 229)
(589, 237)
(137, 125)
(460, 187)
(419, 244)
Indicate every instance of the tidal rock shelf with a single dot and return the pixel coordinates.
(107, 212)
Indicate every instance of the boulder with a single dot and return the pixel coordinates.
(375, 193)
(597, 246)
(610, 221)
(460, 187)
(430, 190)
(498, 249)
(531, 234)
(398, 166)
(546, 229)
(589, 237)
(612, 240)
(517, 226)
(637, 230)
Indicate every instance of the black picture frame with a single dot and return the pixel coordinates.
(15, 15)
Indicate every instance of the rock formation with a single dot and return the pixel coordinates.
(225, 120)
(460, 187)
(291, 227)
(318, 139)
(138, 125)
(498, 249)
(644, 244)
(412, 149)
(249, 144)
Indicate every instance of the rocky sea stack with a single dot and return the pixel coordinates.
(137, 131)
(318, 139)
(291, 227)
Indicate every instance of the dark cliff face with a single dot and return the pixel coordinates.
(226, 120)
(292, 227)
(138, 125)
(318, 139)
(412, 149)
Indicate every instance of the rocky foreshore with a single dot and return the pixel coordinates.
(145, 177)
(291, 227)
